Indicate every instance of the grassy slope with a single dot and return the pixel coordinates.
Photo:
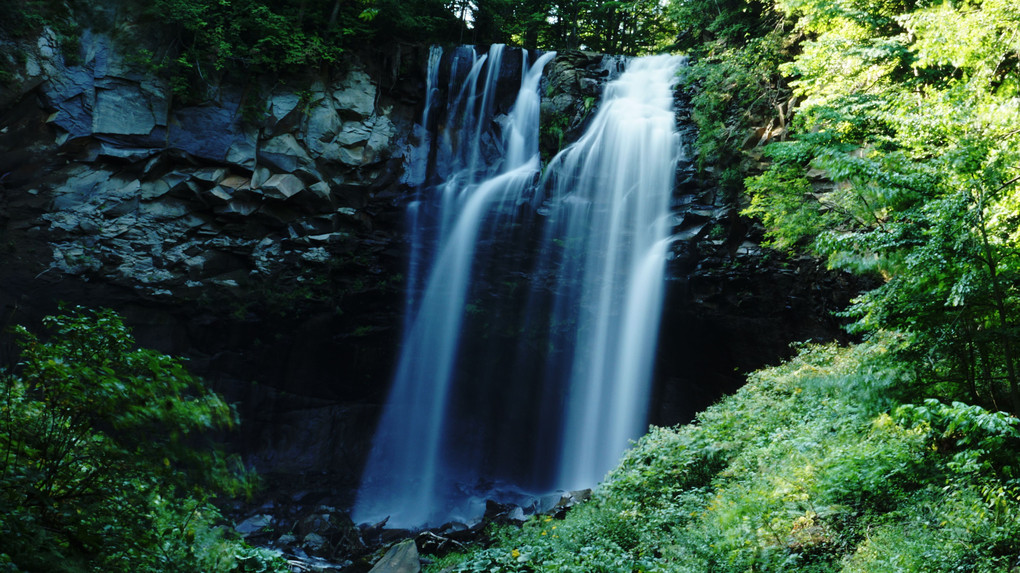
(806, 468)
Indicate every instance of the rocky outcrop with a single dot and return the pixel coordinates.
(401, 558)
(574, 81)
(171, 200)
(255, 230)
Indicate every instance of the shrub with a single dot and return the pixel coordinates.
(808, 467)
(103, 465)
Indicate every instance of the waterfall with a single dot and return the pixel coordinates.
(607, 233)
(533, 303)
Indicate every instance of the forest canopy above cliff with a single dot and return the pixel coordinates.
(279, 33)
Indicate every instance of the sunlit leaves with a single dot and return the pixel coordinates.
(909, 116)
(980, 37)
(778, 198)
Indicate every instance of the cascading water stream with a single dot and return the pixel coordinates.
(533, 306)
(407, 477)
(607, 233)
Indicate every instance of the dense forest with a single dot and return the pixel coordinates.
(879, 135)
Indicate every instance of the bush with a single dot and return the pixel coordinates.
(809, 467)
(103, 466)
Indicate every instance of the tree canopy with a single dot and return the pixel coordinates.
(905, 163)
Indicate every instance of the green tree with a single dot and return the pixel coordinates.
(738, 94)
(103, 463)
(907, 122)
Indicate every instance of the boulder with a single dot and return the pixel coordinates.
(242, 153)
(323, 122)
(314, 542)
(260, 176)
(164, 210)
(354, 132)
(401, 558)
(207, 132)
(120, 209)
(284, 153)
(282, 186)
(353, 156)
(321, 190)
(355, 95)
(253, 524)
(220, 192)
(284, 110)
(433, 543)
(80, 187)
(154, 189)
(237, 207)
(379, 142)
(496, 512)
(236, 182)
(210, 174)
(122, 109)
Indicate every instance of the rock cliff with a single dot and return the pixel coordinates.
(258, 231)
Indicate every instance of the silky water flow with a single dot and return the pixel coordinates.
(533, 298)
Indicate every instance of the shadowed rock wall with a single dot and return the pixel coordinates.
(256, 229)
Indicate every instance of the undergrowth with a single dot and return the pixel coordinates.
(809, 467)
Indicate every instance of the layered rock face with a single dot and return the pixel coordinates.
(257, 233)
(168, 199)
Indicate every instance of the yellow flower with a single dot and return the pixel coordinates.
(515, 554)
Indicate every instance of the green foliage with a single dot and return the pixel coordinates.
(803, 469)
(553, 129)
(101, 457)
(609, 26)
(777, 198)
(435, 21)
(22, 18)
(251, 34)
(736, 86)
(979, 440)
(712, 26)
(905, 165)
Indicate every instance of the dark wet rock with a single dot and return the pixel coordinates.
(207, 132)
(255, 524)
(121, 108)
(282, 186)
(432, 543)
(355, 95)
(284, 153)
(496, 512)
(401, 558)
